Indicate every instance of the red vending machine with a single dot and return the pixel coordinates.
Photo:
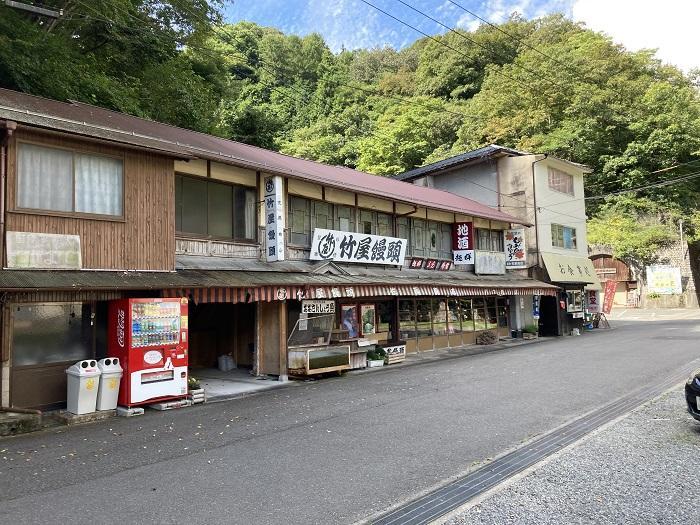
(149, 336)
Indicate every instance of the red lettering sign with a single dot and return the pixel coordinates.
(610, 287)
(462, 236)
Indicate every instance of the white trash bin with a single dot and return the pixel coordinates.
(108, 391)
(83, 381)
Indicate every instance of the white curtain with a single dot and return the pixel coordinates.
(45, 178)
(98, 185)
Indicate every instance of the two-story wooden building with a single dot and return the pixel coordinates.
(97, 205)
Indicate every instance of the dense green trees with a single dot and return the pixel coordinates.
(547, 85)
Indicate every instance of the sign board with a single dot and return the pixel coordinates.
(395, 353)
(569, 268)
(274, 218)
(416, 263)
(44, 251)
(463, 243)
(516, 252)
(664, 280)
(535, 307)
(489, 263)
(333, 245)
(609, 297)
(592, 301)
(317, 306)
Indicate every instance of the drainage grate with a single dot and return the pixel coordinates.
(448, 498)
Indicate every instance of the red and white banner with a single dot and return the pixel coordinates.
(463, 243)
(610, 287)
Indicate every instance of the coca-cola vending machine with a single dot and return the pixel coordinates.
(149, 336)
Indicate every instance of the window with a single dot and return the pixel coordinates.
(299, 216)
(59, 180)
(560, 181)
(344, 218)
(418, 234)
(491, 240)
(403, 231)
(322, 215)
(367, 222)
(214, 209)
(563, 237)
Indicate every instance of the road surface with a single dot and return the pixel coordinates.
(331, 451)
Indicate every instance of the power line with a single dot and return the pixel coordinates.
(472, 41)
(439, 42)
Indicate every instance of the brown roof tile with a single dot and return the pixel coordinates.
(87, 120)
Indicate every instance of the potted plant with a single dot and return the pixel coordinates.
(195, 392)
(530, 331)
(375, 357)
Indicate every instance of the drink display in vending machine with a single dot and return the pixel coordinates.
(149, 336)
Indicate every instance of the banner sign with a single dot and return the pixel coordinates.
(317, 306)
(664, 280)
(274, 219)
(490, 263)
(592, 301)
(333, 245)
(416, 263)
(535, 306)
(609, 297)
(463, 243)
(516, 253)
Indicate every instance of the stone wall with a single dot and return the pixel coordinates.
(687, 258)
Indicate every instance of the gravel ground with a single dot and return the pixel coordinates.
(642, 469)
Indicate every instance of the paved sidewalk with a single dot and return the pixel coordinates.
(653, 314)
(641, 469)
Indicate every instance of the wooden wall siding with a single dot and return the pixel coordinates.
(144, 240)
(622, 271)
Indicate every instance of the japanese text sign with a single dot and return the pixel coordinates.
(592, 300)
(274, 219)
(516, 253)
(333, 245)
(463, 243)
(609, 297)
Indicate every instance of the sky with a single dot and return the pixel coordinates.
(350, 24)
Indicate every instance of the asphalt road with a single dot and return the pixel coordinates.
(331, 451)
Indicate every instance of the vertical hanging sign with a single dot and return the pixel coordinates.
(274, 219)
(516, 254)
(463, 243)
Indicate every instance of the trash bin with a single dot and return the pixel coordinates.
(108, 391)
(83, 380)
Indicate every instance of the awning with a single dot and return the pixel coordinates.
(281, 293)
(569, 268)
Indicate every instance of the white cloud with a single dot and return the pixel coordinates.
(669, 26)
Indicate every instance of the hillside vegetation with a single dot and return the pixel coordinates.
(546, 85)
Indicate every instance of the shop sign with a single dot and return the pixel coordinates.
(463, 243)
(274, 219)
(609, 297)
(577, 315)
(605, 271)
(592, 300)
(516, 253)
(333, 245)
(395, 350)
(45, 251)
(535, 306)
(489, 263)
(431, 264)
(317, 306)
(664, 280)
(416, 263)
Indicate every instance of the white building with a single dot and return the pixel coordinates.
(545, 191)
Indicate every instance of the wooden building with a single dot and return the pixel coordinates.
(99, 205)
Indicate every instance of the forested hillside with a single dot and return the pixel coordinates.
(545, 85)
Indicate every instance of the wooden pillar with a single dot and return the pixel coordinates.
(283, 339)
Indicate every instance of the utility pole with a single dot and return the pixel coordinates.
(680, 227)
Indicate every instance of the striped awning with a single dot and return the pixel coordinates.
(281, 293)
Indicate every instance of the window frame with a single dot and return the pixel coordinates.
(72, 214)
(492, 237)
(551, 171)
(563, 246)
(207, 236)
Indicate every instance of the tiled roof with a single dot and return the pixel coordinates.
(91, 121)
(476, 154)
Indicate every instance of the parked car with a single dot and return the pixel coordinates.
(692, 394)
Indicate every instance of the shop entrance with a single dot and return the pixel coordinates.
(549, 316)
(221, 329)
(46, 339)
